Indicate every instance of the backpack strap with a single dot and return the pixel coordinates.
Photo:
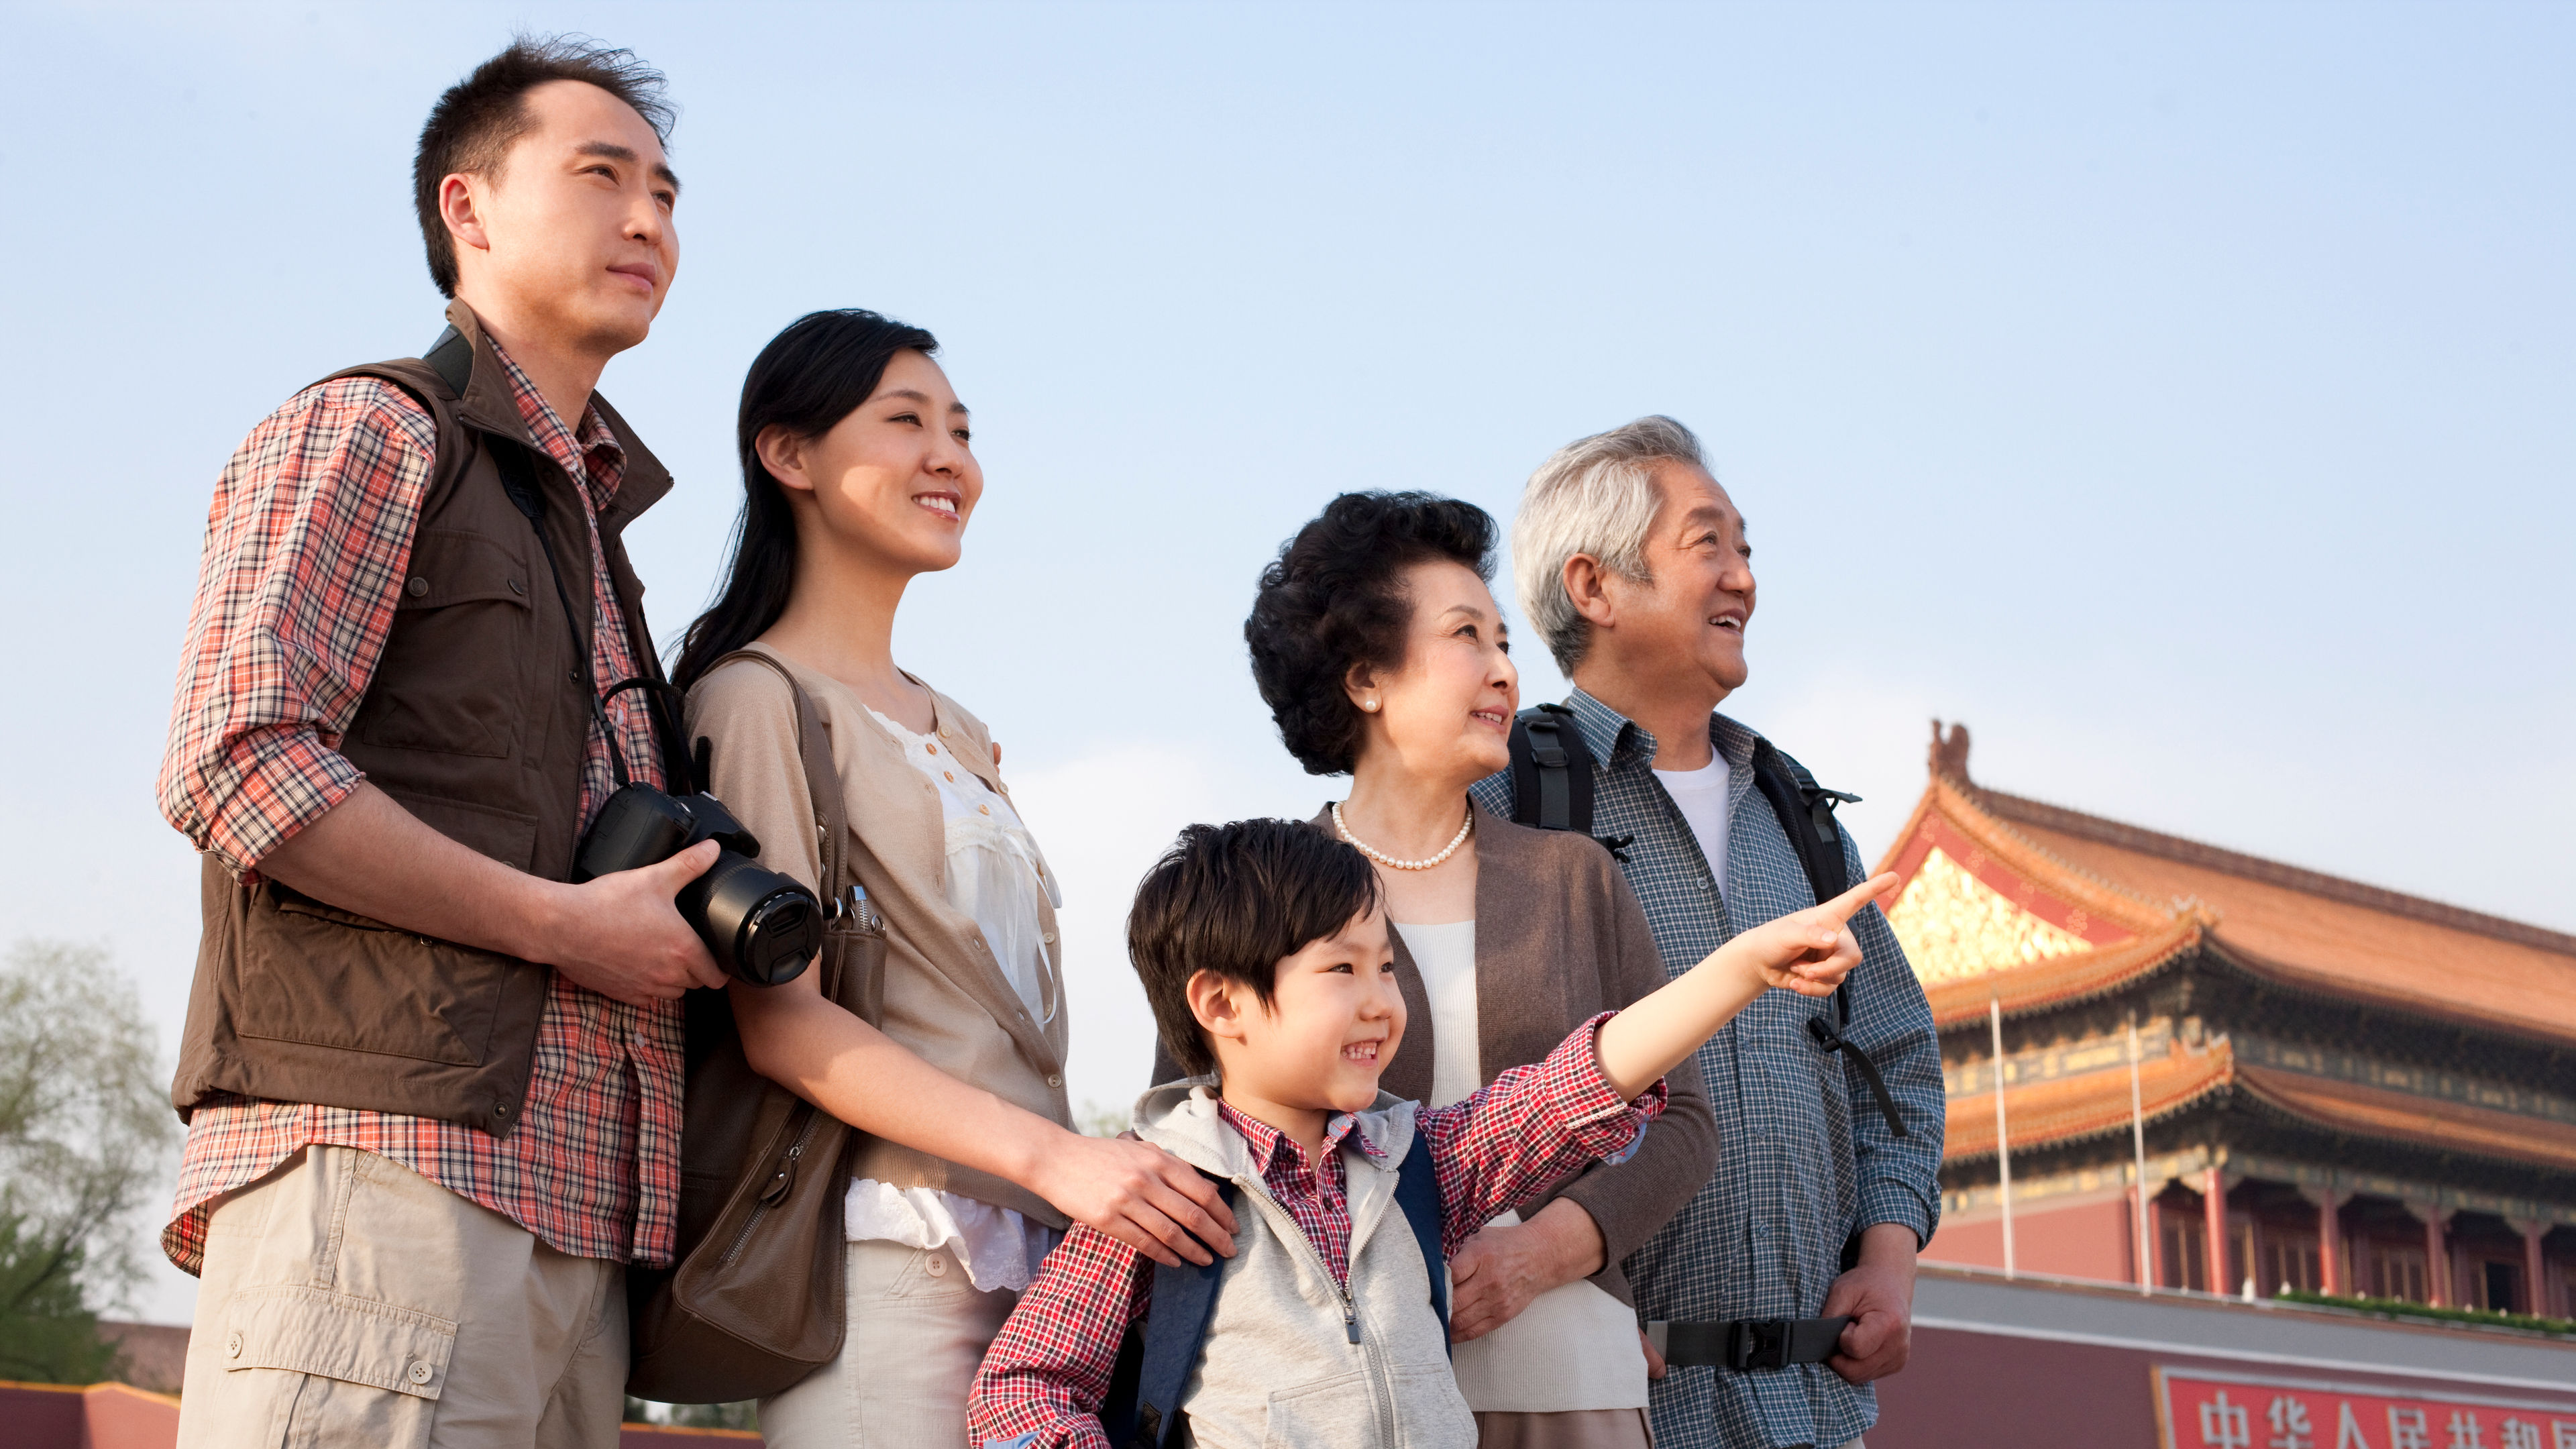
(1142, 1410)
(823, 788)
(1417, 1191)
(1806, 811)
(1552, 775)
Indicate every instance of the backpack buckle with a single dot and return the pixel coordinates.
(1757, 1343)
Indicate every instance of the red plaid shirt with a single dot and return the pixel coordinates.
(1044, 1378)
(306, 548)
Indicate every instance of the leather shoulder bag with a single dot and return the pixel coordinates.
(753, 1301)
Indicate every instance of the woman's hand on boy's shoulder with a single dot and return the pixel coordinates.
(1811, 951)
(1139, 1194)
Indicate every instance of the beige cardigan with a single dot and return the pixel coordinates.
(946, 998)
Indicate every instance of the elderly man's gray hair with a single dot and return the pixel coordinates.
(1596, 496)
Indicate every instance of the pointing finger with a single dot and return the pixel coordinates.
(1843, 907)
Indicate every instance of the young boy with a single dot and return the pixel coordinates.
(1265, 956)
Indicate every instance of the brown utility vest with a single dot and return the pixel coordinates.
(475, 721)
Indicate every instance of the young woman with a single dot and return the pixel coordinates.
(859, 475)
(1377, 644)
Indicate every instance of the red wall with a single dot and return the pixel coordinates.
(2082, 1240)
(1967, 1390)
(114, 1416)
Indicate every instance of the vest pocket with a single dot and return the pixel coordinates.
(333, 978)
(449, 677)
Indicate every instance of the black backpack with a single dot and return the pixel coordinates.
(1156, 1358)
(1552, 789)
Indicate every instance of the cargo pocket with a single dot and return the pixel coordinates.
(345, 1370)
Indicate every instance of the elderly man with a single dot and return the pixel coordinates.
(1632, 564)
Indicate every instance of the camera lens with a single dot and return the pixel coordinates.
(779, 938)
(762, 927)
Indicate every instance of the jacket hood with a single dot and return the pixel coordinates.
(1181, 1118)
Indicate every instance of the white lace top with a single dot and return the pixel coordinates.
(996, 876)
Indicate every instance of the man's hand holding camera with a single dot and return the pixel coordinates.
(622, 935)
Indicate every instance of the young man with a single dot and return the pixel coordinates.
(432, 1089)
(1264, 953)
(1632, 564)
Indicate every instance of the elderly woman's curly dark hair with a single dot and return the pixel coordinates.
(1335, 598)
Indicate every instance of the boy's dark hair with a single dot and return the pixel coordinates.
(1335, 598)
(472, 127)
(1237, 900)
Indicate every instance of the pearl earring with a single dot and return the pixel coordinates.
(1370, 705)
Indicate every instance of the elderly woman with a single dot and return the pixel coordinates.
(1378, 646)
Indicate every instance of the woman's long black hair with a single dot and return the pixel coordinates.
(806, 380)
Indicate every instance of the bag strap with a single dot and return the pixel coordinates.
(823, 788)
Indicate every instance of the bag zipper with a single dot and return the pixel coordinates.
(775, 1192)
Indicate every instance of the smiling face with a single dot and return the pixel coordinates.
(1693, 615)
(571, 235)
(893, 483)
(1446, 713)
(1333, 1022)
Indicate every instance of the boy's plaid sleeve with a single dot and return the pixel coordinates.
(1529, 1129)
(1044, 1378)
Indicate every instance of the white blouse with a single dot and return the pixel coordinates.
(996, 876)
(1574, 1347)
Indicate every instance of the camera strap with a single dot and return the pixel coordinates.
(519, 480)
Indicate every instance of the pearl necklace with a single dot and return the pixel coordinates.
(1390, 862)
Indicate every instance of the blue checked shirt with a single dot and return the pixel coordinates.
(1804, 1158)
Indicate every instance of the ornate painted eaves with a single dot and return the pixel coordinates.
(1984, 914)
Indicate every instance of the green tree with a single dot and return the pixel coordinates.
(85, 1133)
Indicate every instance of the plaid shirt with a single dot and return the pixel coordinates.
(1807, 1159)
(306, 549)
(1044, 1378)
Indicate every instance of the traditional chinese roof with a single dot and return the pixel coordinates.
(2067, 1109)
(2092, 1104)
(2035, 906)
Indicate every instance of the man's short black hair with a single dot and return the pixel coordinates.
(1237, 900)
(1335, 598)
(471, 128)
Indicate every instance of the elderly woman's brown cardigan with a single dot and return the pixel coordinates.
(1560, 938)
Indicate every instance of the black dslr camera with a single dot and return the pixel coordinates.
(762, 927)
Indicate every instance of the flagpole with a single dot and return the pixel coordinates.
(2138, 1144)
(2003, 1144)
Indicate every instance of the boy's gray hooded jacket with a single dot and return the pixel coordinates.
(1291, 1361)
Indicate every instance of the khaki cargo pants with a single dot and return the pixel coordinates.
(347, 1300)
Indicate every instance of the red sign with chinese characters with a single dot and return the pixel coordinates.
(2223, 1411)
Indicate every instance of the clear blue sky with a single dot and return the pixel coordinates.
(2179, 395)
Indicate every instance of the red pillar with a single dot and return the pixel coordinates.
(2437, 1260)
(2330, 1246)
(2213, 1211)
(2535, 1269)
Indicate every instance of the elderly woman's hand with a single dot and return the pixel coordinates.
(1497, 1272)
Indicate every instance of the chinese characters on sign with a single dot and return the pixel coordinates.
(2227, 1412)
